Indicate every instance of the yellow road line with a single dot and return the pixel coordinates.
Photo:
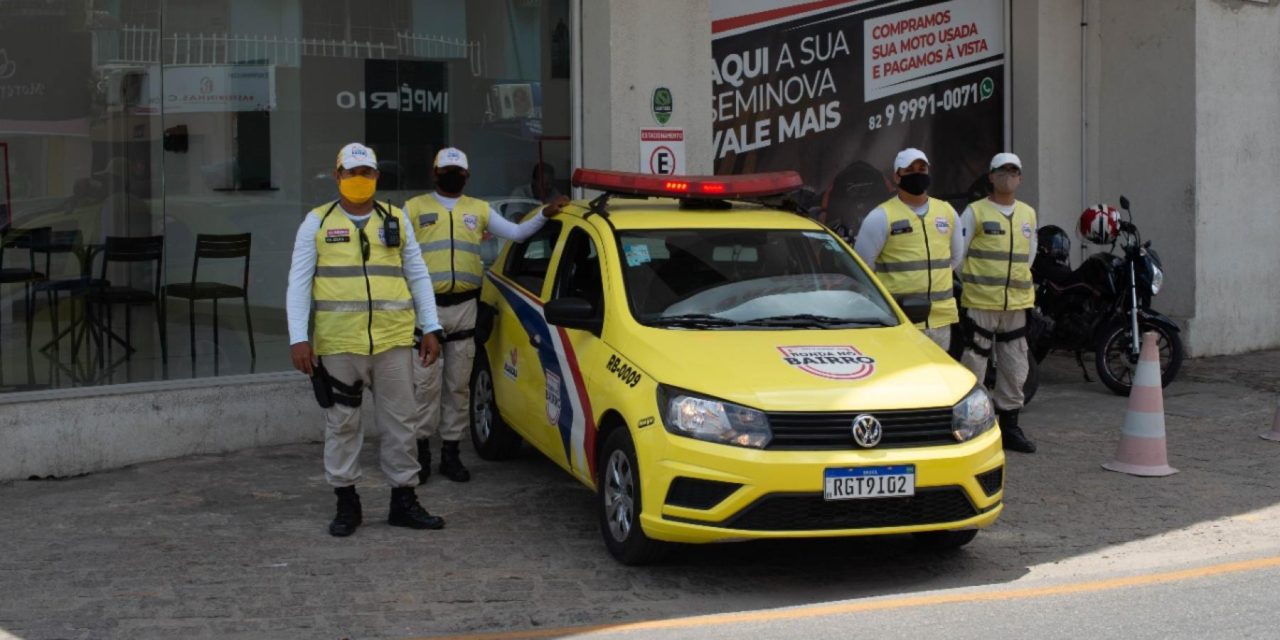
(885, 604)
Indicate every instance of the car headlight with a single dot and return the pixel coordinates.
(973, 416)
(1157, 278)
(692, 416)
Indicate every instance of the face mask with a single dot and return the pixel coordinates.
(914, 183)
(451, 182)
(1006, 183)
(357, 189)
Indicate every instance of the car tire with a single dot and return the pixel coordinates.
(944, 540)
(490, 435)
(619, 500)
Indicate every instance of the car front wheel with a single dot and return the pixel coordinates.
(619, 495)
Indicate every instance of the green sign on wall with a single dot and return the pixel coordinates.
(662, 104)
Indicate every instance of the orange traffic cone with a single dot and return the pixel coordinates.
(1274, 436)
(1142, 444)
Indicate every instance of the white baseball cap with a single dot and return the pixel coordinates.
(907, 156)
(357, 155)
(451, 157)
(1001, 159)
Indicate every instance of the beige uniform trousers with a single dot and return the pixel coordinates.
(941, 336)
(1011, 355)
(445, 411)
(390, 377)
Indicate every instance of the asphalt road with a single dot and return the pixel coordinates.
(235, 546)
(1226, 600)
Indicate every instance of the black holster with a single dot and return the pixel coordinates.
(330, 391)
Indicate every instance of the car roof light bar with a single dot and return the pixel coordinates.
(744, 186)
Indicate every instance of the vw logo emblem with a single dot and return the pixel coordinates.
(867, 431)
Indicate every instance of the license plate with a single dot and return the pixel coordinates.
(869, 482)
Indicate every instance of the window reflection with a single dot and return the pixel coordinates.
(183, 126)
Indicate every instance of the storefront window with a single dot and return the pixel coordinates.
(142, 140)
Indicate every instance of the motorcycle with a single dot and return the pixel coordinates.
(1104, 307)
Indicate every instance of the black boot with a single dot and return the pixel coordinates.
(424, 460)
(349, 516)
(406, 512)
(1012, 436)
(451, 463)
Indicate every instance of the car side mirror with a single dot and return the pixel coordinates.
(572, 313)
(916, 308)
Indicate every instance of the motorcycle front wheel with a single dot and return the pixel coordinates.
(1116, 364)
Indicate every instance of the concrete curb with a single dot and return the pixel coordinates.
(72, 436)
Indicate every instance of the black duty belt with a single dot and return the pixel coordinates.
(466, 334)
(451, 299)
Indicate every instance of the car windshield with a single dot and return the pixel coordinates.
(716, 278)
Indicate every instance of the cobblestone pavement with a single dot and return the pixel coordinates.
(236, 545)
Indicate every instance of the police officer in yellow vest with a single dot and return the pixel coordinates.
(909, 240)
(995, 267)
(356, 260)
(449, 227)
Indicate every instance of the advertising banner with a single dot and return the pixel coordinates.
(835, 88)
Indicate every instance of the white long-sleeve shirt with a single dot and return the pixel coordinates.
(874, 232)
(967, 227)
(498, 225)
(303, 268)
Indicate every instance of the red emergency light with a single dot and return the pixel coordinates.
(751, 185)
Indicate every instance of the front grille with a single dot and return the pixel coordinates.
(992, 480)
(698, 494)
(834, 430)
(810, 512)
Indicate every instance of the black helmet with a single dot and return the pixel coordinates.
(1054, 243)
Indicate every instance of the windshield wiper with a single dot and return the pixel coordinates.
(812, 320)
(692, 320)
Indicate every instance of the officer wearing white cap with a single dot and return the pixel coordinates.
(909, 240)
(449, 227)
(354, 259)
(995, 266)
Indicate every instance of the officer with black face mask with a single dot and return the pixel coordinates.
(908, 241)
(449, 227)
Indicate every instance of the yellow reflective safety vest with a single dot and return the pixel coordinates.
(997, 269)
(450, 240)
(916, 258)
(362, 305)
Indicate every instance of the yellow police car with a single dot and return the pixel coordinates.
(718, 369)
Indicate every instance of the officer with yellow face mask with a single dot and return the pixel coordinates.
(995, 266)
(356, 260)
(449, 226)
